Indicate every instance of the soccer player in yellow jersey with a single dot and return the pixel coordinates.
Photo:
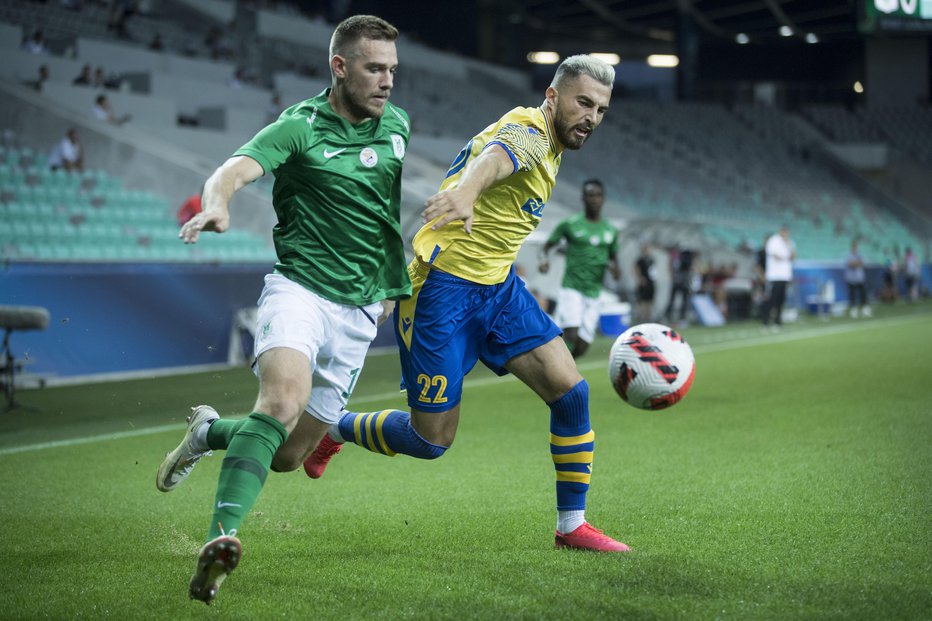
(468, 305)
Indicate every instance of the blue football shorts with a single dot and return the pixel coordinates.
(449, 323)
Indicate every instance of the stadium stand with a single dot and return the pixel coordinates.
(90, 216)
(704, 176)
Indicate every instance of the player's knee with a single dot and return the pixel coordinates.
(435, 428)
(285, 409)
(430, 447)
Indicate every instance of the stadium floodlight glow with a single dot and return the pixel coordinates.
(609, 57)
(858, 87)
(742, 38)
(543, 58)
(786, 31)
(663, 60)
(812, 37)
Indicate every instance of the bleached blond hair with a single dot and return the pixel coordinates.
(584, 64)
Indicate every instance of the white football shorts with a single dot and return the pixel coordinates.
(334, 337)
(575, 310)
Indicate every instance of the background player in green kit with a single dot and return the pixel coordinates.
(337, 161)
(591, 245)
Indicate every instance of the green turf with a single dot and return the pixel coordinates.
(792, 483)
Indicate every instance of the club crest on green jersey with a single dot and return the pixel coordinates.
(398, 144)
(368, 157)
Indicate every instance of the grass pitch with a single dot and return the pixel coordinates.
(792, 483)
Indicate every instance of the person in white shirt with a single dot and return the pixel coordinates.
(103, 111)
(67, 154)
(781, 251)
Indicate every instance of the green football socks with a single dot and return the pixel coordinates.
(244, 469)
(221, 432)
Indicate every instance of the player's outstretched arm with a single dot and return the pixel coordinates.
(234, 174)
(543, 257)
(493, 164)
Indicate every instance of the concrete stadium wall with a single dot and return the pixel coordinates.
(123, 58)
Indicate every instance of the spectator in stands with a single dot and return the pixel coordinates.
(41, 78)
(781, 252)
(68, 153)
(36, 43)
(100, 78)
(274, 108)
(759, 287)
(646, 275)
(156, 44)
(681, 276)
(190, 208)
(716, 276)
(911, 270)
(85, 78)
(855, 279)
(889, 291)
(104, 80)
(121, 11)
(103, 111)
(239, 79)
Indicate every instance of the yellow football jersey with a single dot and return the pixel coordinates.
(505, 213)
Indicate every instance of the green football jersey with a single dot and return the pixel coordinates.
(589, 246)
(337, 195)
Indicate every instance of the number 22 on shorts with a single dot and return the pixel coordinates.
(426, 383)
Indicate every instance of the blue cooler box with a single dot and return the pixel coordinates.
(615, 319)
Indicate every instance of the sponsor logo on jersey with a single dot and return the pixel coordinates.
(398, 144)
(329, 154)
(400, 117)
(368, 157)
(534, 206)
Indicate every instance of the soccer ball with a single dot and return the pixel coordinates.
(651, 366)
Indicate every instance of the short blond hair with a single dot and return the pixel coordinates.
(352, 29)
(584, 64)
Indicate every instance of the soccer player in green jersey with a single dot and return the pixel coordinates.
(591, 245)
(337, 160)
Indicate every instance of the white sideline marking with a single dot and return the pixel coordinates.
(724, 345)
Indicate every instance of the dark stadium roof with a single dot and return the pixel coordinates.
(657, 20)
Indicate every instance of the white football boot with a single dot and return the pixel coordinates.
(179, 463)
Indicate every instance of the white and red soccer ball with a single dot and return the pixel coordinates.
(651, 366)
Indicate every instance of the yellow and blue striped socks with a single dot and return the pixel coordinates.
(571, 446)
(387, 432)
